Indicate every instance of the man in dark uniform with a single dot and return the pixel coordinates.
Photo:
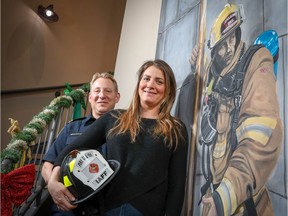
(103, 97)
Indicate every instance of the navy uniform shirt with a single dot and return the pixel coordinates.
(68, 134)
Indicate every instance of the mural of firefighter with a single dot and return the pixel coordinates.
(240, 128)
(229, 100)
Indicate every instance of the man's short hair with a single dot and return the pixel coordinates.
(105, 75)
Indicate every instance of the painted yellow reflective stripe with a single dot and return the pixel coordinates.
(257, 136)
(228, 196)
(66, 181)
(267, 121)
(257, 128)
(209, 88)
(71, 165)
(225, 199)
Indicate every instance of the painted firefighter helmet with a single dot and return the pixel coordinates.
(269, 39)
(227, 21)
(86, 172)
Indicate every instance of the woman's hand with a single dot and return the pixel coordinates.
(59, 193)
(209, 202)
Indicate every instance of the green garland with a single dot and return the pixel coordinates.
(25, 138)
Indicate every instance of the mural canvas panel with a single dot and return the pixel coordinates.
(184, 26)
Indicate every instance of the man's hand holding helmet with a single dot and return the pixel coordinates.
(82, 174)
(60, 194)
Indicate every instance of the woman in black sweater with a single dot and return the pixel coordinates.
(150, 144)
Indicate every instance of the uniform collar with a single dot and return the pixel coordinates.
(89, 119)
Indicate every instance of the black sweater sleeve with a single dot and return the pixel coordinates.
(177, 177)
(90, 139)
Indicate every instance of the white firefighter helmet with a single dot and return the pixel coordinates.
(86, 172)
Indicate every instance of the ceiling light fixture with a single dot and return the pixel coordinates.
(47, 13)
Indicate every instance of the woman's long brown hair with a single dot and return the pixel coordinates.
(167, 125)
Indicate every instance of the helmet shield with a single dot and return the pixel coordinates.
(86, 172)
